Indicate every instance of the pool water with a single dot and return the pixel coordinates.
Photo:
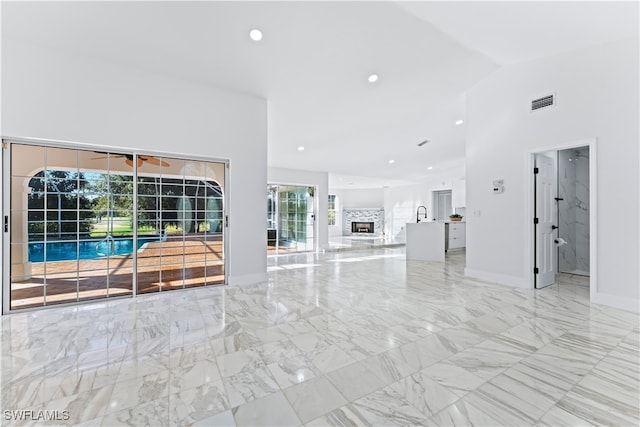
(86, 249)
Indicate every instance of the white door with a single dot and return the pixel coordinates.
(544, 220)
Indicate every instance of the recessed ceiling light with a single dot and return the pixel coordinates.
(373, 78)
(459, 122)
(392, 161)
(301, 148)
(255, 34)
(430, 167)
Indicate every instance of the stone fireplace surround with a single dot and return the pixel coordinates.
(375, 215)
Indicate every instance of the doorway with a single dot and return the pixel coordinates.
(290, 218)
(563, 223)
(442, 205)
(573, 211)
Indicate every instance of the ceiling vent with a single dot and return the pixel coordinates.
(544, 102)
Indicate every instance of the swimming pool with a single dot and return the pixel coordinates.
(87, 249)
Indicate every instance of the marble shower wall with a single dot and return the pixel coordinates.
(573, 211)
(582, 210)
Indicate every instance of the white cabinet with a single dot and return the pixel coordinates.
(457, 235)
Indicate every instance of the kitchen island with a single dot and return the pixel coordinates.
(426, 241)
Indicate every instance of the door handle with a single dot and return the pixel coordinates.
(554, 227)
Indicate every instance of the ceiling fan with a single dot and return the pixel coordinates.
(152, 160)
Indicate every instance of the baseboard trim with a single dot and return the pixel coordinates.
(248, 279)
(615, 301)
(502, 279)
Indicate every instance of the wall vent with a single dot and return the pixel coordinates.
(545, 101)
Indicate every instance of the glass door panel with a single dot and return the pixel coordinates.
(149, 223)
(177, 219)
(310, 220)
(194, 244)
(212, 198)
(184, 204)
(65, 214)
(109, 238)
(27, 240)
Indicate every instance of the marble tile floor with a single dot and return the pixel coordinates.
(332, 339)
(573, 279)
(358, 242)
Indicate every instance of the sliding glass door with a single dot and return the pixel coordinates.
(95, 224)
(290, 218)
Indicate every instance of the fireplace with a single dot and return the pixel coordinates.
(363, 221)
(361, 227)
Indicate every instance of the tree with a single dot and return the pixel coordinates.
(113, 195)
(67, 211)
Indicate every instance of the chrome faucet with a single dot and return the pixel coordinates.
(426, 213)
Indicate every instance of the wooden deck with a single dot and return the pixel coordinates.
(172, 264)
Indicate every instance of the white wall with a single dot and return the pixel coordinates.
(400, 204)
(53, 95)
(597, 96)
(318, 179)
(360, 198)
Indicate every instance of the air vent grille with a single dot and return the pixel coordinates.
(545, 101)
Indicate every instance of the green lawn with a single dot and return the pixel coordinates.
(120, 226)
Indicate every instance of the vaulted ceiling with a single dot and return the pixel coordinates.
(314, 59)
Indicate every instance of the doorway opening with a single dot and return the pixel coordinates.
(290, 218)
(442, 205)
(573, 211)
(563, 238)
